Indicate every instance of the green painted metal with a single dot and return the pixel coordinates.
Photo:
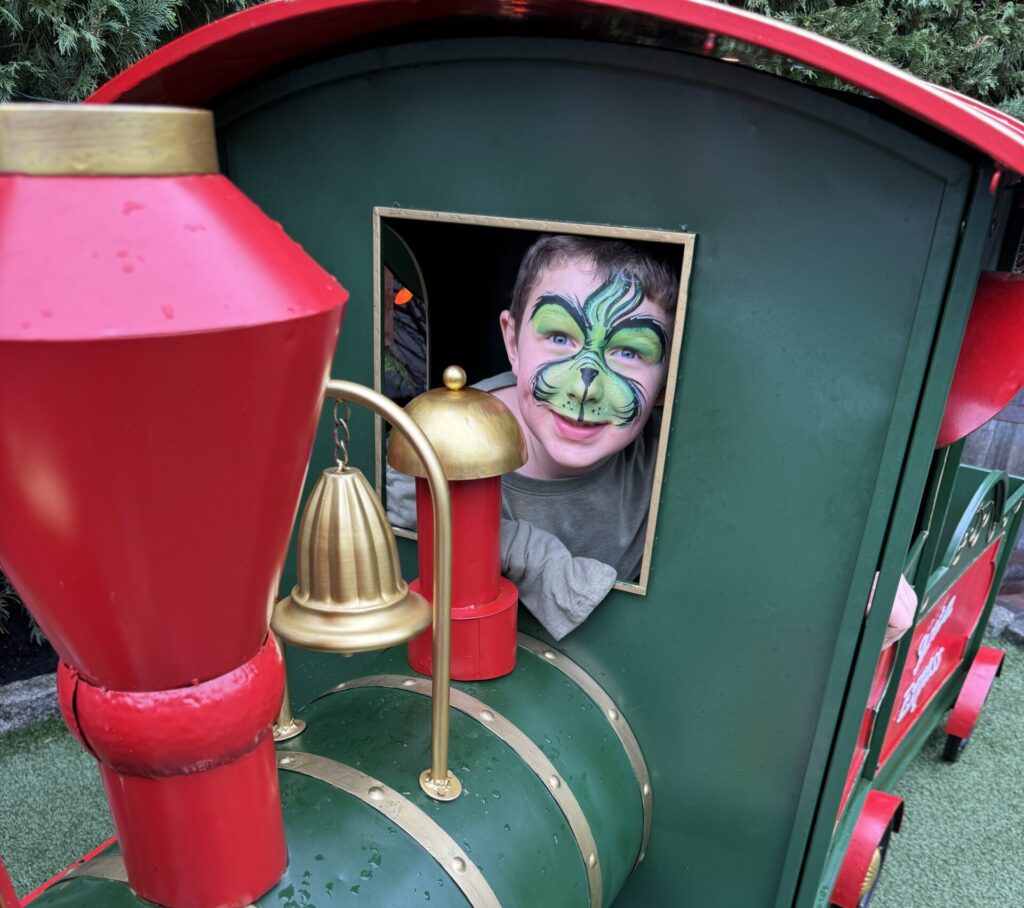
(960, 493)
(339, 851)
(578, 740)
(830, 287)
(85, 893)
(506, 819)
(899, 523)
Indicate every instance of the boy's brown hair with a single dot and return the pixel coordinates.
(659, 281)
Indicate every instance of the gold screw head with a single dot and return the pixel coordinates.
(454, 378)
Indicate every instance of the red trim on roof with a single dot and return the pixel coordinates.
(203, 64)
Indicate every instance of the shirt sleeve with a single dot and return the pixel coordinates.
(560, 590)
(400, 498)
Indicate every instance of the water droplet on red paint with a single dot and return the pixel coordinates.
(46, 313)
(122, 253)
(167, 310)
(127, 267)
(26, 325)
(129, 207)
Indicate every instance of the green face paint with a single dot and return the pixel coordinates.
(585, 384)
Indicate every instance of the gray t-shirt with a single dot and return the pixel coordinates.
(601, 514)
(564, 542)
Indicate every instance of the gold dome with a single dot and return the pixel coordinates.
(350, 596)
(474, 434)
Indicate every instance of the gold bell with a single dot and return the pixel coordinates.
(350, 595)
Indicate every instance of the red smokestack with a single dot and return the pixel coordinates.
(163, 349)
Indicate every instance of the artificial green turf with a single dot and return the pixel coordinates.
(962, 843)
(51, 801)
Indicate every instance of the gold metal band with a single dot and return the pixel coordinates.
(106, 140)
(530, 753)
(614, 716)
(107, 866)
(404, 814)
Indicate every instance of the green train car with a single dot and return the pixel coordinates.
(722, 730)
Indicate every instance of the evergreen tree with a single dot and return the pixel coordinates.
(976, 48)
(62, 50)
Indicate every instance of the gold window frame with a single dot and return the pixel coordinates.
(679, 238)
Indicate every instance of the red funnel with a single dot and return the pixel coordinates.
(990, 369)
(163, 349)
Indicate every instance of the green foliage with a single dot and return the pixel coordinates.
(62, 50)
(8, 598)
(976, 48)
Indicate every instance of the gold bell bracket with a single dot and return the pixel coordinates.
(437, 781)
(286, 726)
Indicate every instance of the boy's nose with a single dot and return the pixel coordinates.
(589, 388)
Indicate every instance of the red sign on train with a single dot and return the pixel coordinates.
(938, 645)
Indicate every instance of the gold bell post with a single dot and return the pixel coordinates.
(350, 596)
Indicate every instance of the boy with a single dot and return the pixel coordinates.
(587, 337)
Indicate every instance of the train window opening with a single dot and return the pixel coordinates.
(589, 364)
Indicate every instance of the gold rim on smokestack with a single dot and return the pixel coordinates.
(106, 140)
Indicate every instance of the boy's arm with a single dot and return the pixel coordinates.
(560, 590)
(401, 498)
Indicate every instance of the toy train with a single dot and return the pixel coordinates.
(724, 727)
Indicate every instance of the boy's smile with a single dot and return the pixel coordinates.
(590, 361)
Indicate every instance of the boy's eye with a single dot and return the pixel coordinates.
(637, 344)
(559, 340)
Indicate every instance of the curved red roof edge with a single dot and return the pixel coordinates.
(203, 64)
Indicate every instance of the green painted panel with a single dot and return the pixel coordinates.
(825, 238)
(505, 820)
(578, 740)
(343, 851)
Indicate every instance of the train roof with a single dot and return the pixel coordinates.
(205, 63)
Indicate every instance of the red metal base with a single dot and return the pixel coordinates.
(983, 671)
(881, 813)
(212, 838)
(191, 778)
(483, 638)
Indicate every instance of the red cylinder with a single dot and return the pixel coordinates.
(163, 351)
(476, 538)
(483, 602)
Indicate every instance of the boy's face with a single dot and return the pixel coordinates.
(590, 359)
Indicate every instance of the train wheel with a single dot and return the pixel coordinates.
(986, 667)
(954, 747)
(870, 885)
(857, 879)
